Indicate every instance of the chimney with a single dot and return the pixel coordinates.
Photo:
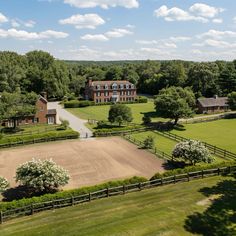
(216, 96)
(44, 94)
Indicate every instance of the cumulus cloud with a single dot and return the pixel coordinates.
(217, 34)
(197, 12)
(18, 23)
(25, 35)
(205, 10)
(118, 33)
(102, 3)
(216, 43)
(95, 37)
(3, 18)
(89, 21)
(217, 20)
(180, 39)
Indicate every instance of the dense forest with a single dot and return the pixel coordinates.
(38, 71)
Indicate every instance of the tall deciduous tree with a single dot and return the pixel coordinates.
(120, 113)
(175, 103)
(14, 106)
(232, 101)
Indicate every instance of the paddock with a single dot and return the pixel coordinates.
(88, 162)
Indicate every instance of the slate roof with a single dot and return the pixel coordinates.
(213, 102)
(110, 82)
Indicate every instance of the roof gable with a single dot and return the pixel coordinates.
(213, 102)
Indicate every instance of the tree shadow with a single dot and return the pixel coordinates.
(219, 219)
(20, 192)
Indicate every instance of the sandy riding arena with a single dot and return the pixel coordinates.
(89, 161)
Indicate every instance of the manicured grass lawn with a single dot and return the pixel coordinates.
(161, 143)
(164, 144)
(159, 211)
(101, 112)
(221, 133)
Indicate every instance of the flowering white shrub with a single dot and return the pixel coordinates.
(3, 184)
(192, 151)
(43, 175)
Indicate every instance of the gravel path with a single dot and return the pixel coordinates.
(76, 123)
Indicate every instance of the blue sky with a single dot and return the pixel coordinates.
(121, 29)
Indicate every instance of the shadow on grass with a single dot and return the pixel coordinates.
(20, 192)
(219, 219)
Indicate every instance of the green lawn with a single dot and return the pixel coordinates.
(101, 112)
(164, 144)
(161, 143)
(221, 133)
(159, 211)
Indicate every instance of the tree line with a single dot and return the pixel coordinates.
(39, 71)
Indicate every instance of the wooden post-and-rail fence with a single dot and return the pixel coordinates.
(109, 192)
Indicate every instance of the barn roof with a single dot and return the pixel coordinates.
(213, 102)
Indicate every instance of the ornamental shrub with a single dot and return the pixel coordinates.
(42, 175)
(3, 184)
(192, 151)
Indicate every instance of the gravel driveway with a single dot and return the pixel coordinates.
(76, 123)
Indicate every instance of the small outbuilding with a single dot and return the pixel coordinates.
(212, 105)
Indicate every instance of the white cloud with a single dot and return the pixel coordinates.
(130, 26)
(177, 14)
(205, 10)
(95, 37)
(89, 21)
(234, 19)
(147, 42)
(30, 24)
(217, 20)
(15, 24)
(3, 18)
(216, 43)
(217, 34)
(102, 3)
(198, 12)
(25, 35)
(118, 33)
(180, 39)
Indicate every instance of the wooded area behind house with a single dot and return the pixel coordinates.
(38, 71)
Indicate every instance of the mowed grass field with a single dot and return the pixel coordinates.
(101, 112)
(164, 144)
(221, 133)
(158, 211)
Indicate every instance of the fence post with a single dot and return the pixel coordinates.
(32, 209)
(202, 174)
(1, 217)
(72, 201)
(218, 171)
(161, 181)
(123, 189)
(188, 176)
(175, 179)
(89, 196)
(140, 186)
(107, 192)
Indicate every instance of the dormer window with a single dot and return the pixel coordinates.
(114, 86)
(121, 86)
(105, 86)
(98, 87)
(132, 86)
(127, 86)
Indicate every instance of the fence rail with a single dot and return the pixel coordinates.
(36, 140)
(109, 192)
(155, 150)
(213, 149)
(36, 131)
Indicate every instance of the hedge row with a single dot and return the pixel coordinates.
(67, 194)
(117, 129)
(192, 169)
(77, 104)
(46, 135)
